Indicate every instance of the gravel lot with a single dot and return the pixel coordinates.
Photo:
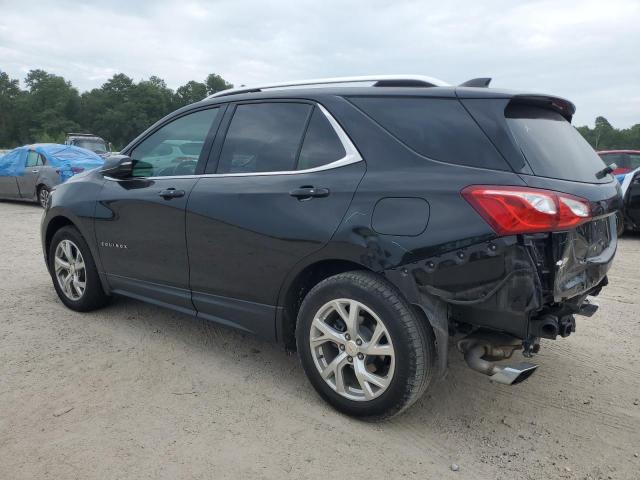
(134, 391)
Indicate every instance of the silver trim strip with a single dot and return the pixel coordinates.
(352, 156)
(328, 81)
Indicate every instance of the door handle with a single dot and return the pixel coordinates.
(170, 193)
(304, 193)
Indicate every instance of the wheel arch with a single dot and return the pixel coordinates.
(296, 288)
(54, 224)
(60, 219)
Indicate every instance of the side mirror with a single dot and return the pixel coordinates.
(117, 166)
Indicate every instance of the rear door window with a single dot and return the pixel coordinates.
(438, 128)
(32, 158)
(552, 146)
(264, 137)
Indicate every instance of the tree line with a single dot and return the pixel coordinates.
(49, 107)
(606, 137)
(120, 109)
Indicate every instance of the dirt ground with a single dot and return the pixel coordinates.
(134, 391)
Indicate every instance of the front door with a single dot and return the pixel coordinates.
(140, 221)
(27, 182)
(283, 182)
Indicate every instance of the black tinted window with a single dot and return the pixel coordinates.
(174, 148)
(264, 137)
(440, 129)
(321, 143)
(552, 146)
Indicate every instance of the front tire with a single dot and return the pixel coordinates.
(362, 346)
(74, 273)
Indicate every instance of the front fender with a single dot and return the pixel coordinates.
(74, 203)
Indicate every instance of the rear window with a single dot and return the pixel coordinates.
(438, 128)
(552, 146)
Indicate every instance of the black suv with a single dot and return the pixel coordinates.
(363, 224)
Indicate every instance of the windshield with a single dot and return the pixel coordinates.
(93, 144)
(552, 146)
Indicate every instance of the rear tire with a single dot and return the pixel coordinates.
(74, 273)
(43, 196)
(389, 364)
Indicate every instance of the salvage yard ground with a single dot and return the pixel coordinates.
(134, 391)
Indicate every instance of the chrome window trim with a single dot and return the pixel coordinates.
(352, 156)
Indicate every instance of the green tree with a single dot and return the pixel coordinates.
(190, 92)
(215, 83)
(52, 106)
(10, 97)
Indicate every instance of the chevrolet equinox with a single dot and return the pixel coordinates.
(369, 223)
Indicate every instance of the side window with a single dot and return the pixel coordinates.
(634, 161)
(174, 148)
(321, 143)
(618, 158)
(32, 159)
(41, 161)
(438, 128)
(264, 137)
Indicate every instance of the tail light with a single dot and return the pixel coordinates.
(512, 210)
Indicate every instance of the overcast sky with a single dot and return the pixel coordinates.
(584, 50)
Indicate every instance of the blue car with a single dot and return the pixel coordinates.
(30, 172)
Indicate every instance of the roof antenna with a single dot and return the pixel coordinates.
(477, 82)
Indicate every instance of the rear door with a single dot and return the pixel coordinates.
(10, 168)
(276, 188)
(27, 182)
(9, 187)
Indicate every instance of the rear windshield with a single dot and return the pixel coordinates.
(438, 128)
(552, 146)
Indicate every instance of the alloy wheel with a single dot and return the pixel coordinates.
(43, 197)
(70, 270)
(352, 349)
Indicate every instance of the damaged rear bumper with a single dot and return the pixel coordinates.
(528, 286)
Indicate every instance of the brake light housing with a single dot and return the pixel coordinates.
(514, 210)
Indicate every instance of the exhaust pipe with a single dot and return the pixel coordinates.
(481, 357)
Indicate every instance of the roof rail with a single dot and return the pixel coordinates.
(377, 80)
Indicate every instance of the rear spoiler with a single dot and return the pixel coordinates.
(562, 106)
(482, 82)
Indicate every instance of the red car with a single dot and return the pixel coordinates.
(626, 160)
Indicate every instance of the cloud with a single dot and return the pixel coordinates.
(583, 50)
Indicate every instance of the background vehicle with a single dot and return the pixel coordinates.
(625, 160)
(363, 226)
(89, 141)
(30, 172)
(630, 212)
